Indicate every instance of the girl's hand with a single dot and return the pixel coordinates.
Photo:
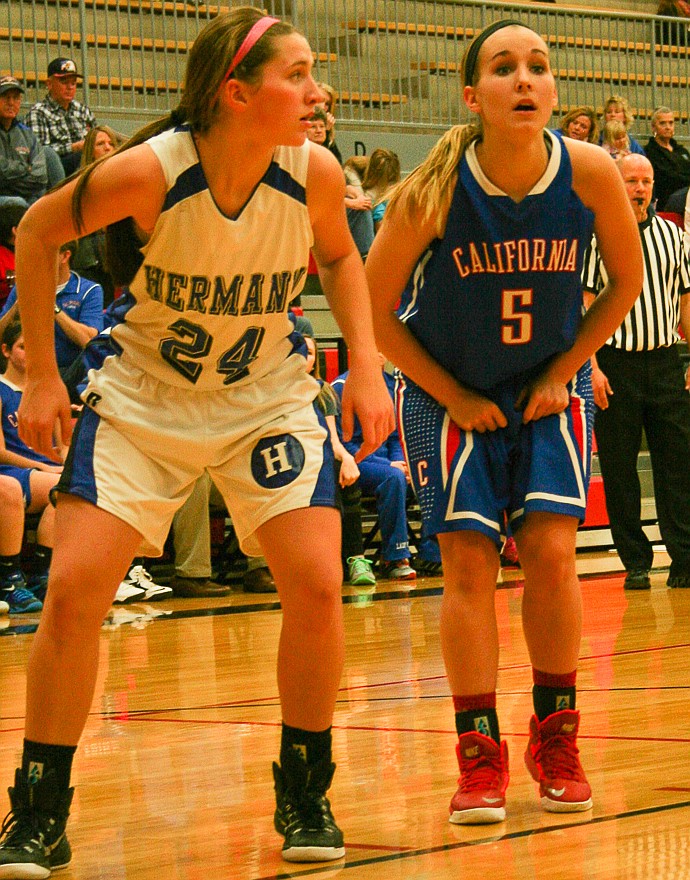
(474, 412)
(543, 397)
(45, 414)
(349, 472)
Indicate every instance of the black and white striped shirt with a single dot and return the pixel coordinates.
(653, 320)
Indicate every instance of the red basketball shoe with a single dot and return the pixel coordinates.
(480, 798)
(552, 758)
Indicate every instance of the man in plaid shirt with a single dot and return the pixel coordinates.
(60, 121)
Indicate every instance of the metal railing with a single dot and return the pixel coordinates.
(393, 63)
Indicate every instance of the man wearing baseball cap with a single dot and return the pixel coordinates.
(60, 121)
(23, 172)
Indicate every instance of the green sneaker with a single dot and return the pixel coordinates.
(303, 812)
(360, 572)
(33, 840)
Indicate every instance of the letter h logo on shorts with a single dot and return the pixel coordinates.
(277, 461)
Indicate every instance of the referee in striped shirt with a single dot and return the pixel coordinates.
(638, 382)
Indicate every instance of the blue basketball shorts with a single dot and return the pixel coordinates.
(468, 480)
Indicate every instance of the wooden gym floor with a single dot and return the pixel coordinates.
(173, 773)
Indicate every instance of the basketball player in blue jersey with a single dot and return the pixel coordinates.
(211, 212)
(484, 243)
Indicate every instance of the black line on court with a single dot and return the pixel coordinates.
(362, 599)
(466, 844)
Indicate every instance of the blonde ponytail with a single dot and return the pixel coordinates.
(428, 190)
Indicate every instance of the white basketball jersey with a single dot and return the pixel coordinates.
(208, 307)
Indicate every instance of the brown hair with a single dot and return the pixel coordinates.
(382, 171)
(209, 58)
(87, 156)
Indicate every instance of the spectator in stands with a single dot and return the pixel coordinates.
(356, 567)
(580, 124)
(10, 215)
(60, 121)
(615, 141)
(383, 172)
(676, 202)
(670, 160)
(35, 474)
(674, 33)
(358, 205)
(89, 258)
(383, 474)
(12, 531)
(327, 106)
(23, 171)
(78, 310)
(639, 382)
(192, 545)
(617, 107)
(317, 130)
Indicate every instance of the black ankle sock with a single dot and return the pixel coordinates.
(547, 700)
(483, 721)
(42, 557)
(39, 758)
(314, 747)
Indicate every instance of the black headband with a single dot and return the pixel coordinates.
(473, 52)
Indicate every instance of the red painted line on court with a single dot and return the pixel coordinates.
(150, 718)
(672, 788)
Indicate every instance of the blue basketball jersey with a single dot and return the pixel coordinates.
(501, 293)
(10, 398)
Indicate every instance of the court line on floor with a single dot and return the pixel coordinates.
(466, 844)
(362, 599)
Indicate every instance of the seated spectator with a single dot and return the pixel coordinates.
(12, 523)
(356, 567)
(192, 544)
(383, 474)
(60, 121)
(327, 107)
(383, 172)
(23, 170)
(673, 33)
(317, 129)
(617, 107)
(35, 474)
(89, 260)
(10, 215)
(580, 124)
(615, 139)
(670, 160)
(78, 310)
(358, 205)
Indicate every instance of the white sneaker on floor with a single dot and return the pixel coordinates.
(152, 592)
(127, 593)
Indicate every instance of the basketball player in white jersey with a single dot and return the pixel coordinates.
(211, 212)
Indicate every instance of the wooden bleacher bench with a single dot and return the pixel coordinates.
(101, 41)
(370, 99)
(152, 6)
(373, 26)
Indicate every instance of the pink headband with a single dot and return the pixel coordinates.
(255, 33)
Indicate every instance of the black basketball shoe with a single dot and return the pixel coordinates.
(303, 813)
(33, 841)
